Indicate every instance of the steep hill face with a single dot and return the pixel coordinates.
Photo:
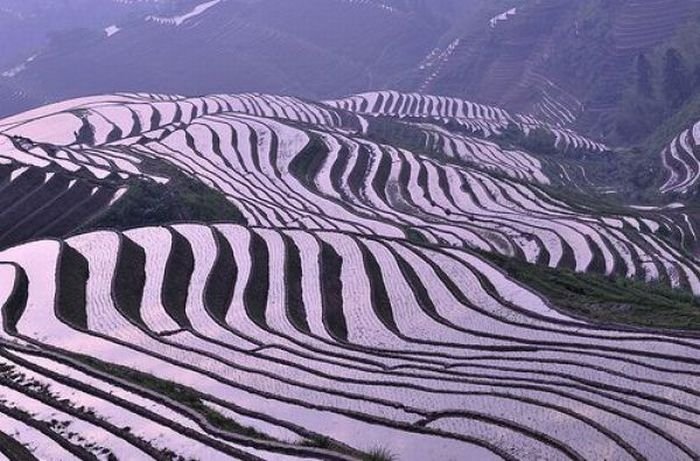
(566, 62)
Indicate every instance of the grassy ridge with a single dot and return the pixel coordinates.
(607, 300)
(183, 198)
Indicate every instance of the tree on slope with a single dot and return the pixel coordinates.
(645, 72)
(677, 84)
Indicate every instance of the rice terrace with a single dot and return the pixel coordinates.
(350, 230)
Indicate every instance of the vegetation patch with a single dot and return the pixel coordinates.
(130, 280)
(222, 280)
(293, 284)
(14, 308)
(192, 399)
(663, 94)
(331, 269)
(14, 450)
(73, 273)
(380, 298)
(256, 293)
(183, 198)
(178, 273)
(607, 300)
(380, 454)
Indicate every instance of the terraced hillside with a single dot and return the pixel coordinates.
(300, 334)
(680, 159)
(488, 120)
(352, 312)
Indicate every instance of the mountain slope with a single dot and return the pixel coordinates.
(208, 47)
(26, 26)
